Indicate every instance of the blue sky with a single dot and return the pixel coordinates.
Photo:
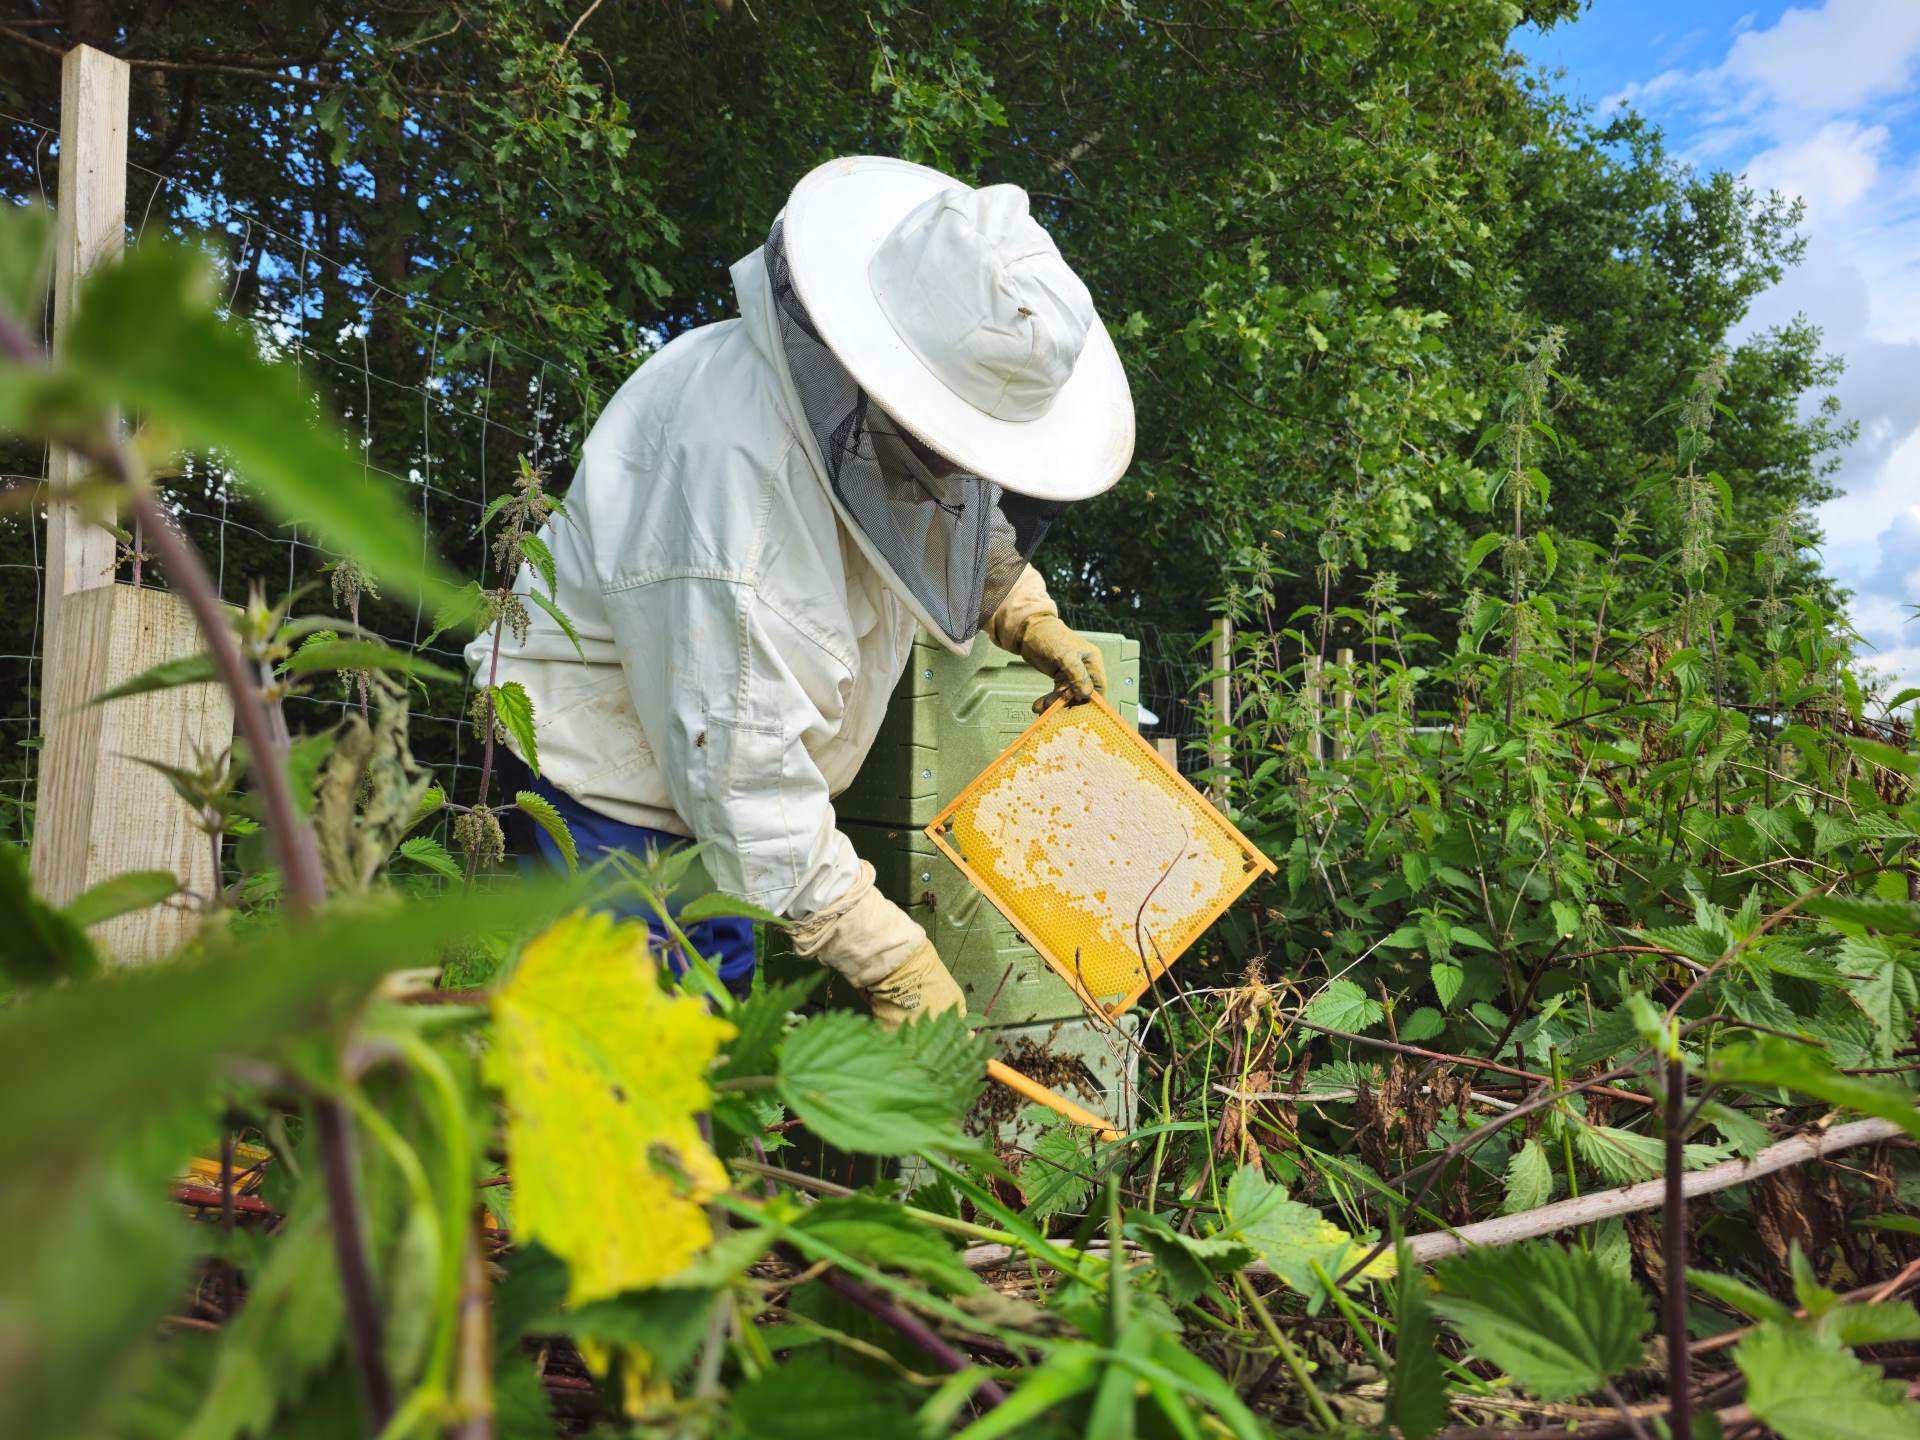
(1819, 100)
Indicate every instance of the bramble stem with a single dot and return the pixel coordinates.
(1673, 1247)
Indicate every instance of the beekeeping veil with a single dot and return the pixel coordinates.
(952, 372)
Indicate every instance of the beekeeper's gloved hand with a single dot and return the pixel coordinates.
(876, 945)
(1076, 667)
(1028, 624)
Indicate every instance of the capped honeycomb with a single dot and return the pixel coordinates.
(1097, 850)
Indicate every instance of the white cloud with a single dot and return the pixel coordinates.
(1829, 169)
(1832, 58)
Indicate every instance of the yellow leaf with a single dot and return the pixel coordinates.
(603, 1074)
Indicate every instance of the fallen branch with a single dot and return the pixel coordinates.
(1648, 1194)
(1565, 1214)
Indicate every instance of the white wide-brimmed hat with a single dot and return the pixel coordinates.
(955, 312)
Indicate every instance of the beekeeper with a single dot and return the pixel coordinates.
(771, 505)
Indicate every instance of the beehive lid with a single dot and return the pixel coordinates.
(1098, 851)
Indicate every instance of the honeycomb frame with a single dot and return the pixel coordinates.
(1036, 881)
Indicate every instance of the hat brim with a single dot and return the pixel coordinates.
(835, 221)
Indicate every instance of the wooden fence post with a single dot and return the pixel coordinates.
(1220, 754)
(98, 811)
(1316, 748)
(1344, 726)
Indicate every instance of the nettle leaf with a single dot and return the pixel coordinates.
(513, 709)
(463, 608)
(1624, 1156)
(1187, 1266)
(1447, 980)
(1886, 1323)
(559, 618)
(1417, 1403)
(603, 1074)
(1894, 917)
(1291, 1236)
(539, 809)
(167, 675)
(1768, 1061)
(122, 895)
(1877, 976)
(1555, 1319)
(716, 906)
(427, 851)
(882, 1234)
(859, 1088)
(760, 1020)
(1529, 1179)
(1755, 1304)
(1804, 1385)
(1058, 1173)
(1422, 1025)
(535, 552)
(1343, 1005)
(319, 655)
(43, 944)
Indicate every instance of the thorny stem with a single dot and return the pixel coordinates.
(912, 1328)
(1673, 1247)
(364, 1327)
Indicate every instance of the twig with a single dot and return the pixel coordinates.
(473, 1380)
(912, 1328)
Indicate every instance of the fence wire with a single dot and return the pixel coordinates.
(443, 409)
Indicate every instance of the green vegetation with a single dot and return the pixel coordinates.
(1598, 860)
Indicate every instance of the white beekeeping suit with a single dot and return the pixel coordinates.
(769, 507)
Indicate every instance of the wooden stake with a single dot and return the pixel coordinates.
(99, 811)
(90, 226)
(1345, 660)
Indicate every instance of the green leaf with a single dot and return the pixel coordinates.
(1804, 1386)
(1902, 762)
(1343, 1005)
(535, 552)
(43, 944)
(463, 608)
(882, 1234)
(513, 709)
(1887, 1323)
(815, 1397)
(861, 1089)
(1184, 1272)
(1290, 1236)
(668, 1323)
(427, 851)
(1447, 980)
(1768, 1061)
(761, 1019)
(1058, 1173)
(26, 259)
(1900, 917)
(320, 655)
(146, 330)
(1417, 1402)
(539, 809)
(716, 906)
(1529, 1179)
(1479, 551)
(1422, 1025)
(559, 617)
(1555, 1319)
(122, 895)
(1754, 1304)
(187, 670)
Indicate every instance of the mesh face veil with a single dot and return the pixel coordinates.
(955, 543)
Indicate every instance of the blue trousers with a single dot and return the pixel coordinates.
(726, 941)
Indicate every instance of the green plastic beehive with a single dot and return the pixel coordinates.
(951, 717)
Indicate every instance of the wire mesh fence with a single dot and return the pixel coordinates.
(442, 408)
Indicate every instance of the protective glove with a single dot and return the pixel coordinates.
(877, 946)
(1076, 667)
(919, 987)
